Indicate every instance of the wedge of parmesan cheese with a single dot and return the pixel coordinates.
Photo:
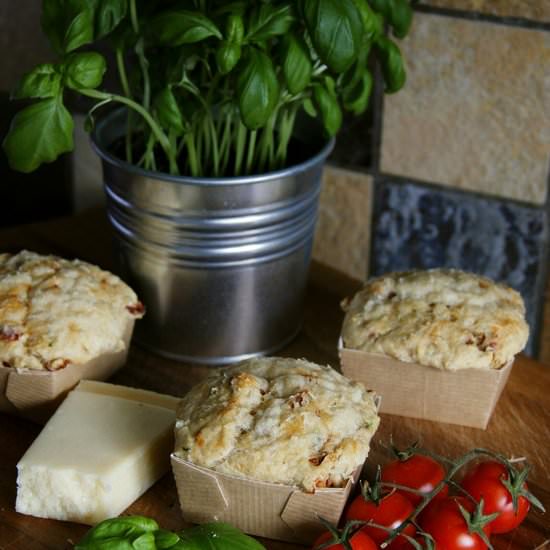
(103, 448)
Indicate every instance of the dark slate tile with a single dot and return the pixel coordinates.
(423, 227)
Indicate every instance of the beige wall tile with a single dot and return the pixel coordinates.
(343, 228)
(21, 40)
(544, 354)
(538, 10)
(475, 112)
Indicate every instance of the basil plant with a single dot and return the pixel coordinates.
(211, 87)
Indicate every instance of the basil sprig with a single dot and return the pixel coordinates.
(142, 533)
(215, 87)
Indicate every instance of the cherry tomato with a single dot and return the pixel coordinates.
(391, 511)
(359, 541)
(417, 472)
(484, 481)
(445, 523)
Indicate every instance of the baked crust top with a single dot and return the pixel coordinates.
(443, 318)
(279, 420)
(54, 312)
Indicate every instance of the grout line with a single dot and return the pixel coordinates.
(509, 21)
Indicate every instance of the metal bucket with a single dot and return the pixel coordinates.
(220, 264)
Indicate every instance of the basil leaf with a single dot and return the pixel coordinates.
(145, 542)
(39, 133)
(165, 539)
(218, 536)
(297, 66)
(327, 103)
(393, 70)
(268, 21)
(123, 527)
(227, 56)
(234, 29)
(115, 543)
(68, 24)
(373, 23)
(168, 112)
(84, 70)
(177, 27)
(356, 99)
(43, 81)
(335, 28)
(398, 13)
(257, 89)
(309, 108)
(108, 14)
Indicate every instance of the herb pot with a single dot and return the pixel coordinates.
(221, 264)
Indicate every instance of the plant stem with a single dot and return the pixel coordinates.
(155, 128)
(192, 155)
(126, 89)
(239, 147)
(251, 148)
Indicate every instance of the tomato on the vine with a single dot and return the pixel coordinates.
(358, 541)
(390, 511)
(485, 481)
(446, 524)
(418, 472)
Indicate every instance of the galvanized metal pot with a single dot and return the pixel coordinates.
(221, 264)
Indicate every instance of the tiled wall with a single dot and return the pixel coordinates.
(454, 169)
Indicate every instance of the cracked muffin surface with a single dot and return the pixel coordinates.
(280, 420)
(443, 318)
(55, 312)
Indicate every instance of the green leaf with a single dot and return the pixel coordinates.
(356, 98)
(128, 527)
(398, 13)
(268, 21)
(39, 133)
(297, 66)
(168, 112)
(227, 56)
(373, 23)
(218, 536)
(393, 69)
(327, 103)
(234, 29)
(108, 14)
(145, 542)
(336, 30)
(68, 24)
(309, 108)
(43, 81)
(257, 89)
(114, 543)
(177, 27)
(165, 539)
(84, 70)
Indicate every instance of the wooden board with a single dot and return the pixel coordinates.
(520, 425)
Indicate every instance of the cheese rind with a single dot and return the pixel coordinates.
(96, 455)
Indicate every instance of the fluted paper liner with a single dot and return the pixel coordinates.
(270, 510)
(35, 394)
(467, 397)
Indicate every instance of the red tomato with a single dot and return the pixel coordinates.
(392, 510)
(484, 481)
(417, 472)
(359, 541)
(445, 523)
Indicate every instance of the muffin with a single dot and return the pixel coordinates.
(441, 318)
(278, 420)
(56, 312)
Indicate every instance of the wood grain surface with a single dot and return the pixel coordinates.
(520, 425)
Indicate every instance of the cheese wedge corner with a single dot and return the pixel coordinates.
(103, 448)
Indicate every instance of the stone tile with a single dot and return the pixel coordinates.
(475, 112)
(537, 10)
(544, 354)
(342, 234)
(423, 227)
